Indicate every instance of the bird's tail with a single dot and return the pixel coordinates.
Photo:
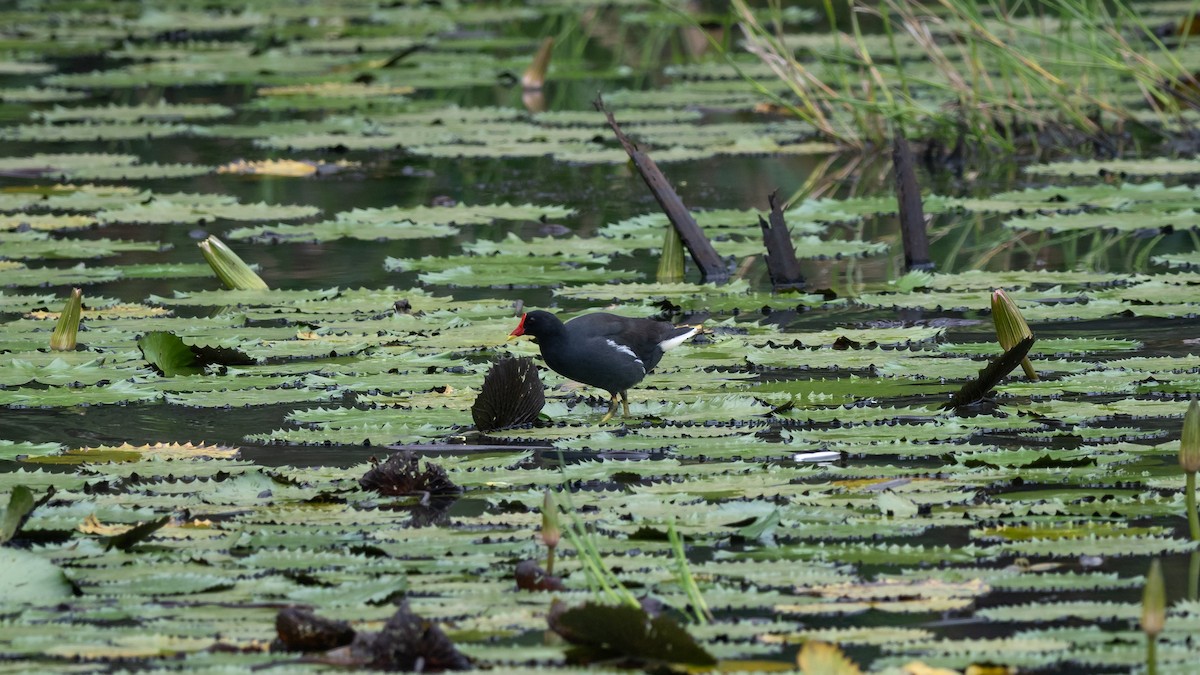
(679, 339)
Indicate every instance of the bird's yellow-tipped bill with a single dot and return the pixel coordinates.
(519, 330)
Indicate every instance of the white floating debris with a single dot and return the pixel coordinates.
(824, 456)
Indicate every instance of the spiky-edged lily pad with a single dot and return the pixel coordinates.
(30, 579)
(1122, 167)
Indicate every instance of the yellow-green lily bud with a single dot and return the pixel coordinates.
(63, 337)
(551, 533)
(230, 269)
(1011, 327)
(535, 76)
(1154, 601)
(1189, 441)
(670, 261)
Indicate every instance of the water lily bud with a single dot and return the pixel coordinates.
(63, 337)
(1189, 441)
(1154, 601)
(670, 261)
(1011, 327)
(230, 269)
(535, 76)
(551, 534)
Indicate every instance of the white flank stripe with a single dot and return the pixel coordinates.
(626, 350)
(678, 339)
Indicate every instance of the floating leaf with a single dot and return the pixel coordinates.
(30, 579)
(600, 633)
(822, 658)
(168, 354)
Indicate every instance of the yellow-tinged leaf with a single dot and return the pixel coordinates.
(198, 523)
(92, 525)
(45, 222)
(919, 668)
(288, 168)
(110, 312)
(153, 451)
(127, 647)
(747, 666)
(336, 89)
(822, 658)
(989, 670)
(270, 167)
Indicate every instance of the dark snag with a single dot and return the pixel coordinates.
(781, 255)
(410, 643)
(511, 394)
(712, 268)
(990, 376)
(302, 631)
(912, 215)
(401, 475)
(127, 539)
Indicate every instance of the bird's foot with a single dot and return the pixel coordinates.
(625, 402)
(612, 409)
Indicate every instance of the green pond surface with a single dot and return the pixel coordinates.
(1016, 532)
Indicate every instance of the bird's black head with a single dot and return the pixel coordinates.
(537, 324)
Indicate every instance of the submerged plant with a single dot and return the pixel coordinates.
(63, 337)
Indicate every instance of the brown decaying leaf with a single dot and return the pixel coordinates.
(531, 577)
(511, 394)
(410, 643)
(300, 630)
(400, 474)
(407, 643)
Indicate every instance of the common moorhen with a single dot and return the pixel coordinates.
(604, 350)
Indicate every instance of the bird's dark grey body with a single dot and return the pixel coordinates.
(603, 350)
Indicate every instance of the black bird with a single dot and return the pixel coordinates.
(603, 350)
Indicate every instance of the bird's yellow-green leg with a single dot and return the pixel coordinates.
(625, 402)
(612, 408)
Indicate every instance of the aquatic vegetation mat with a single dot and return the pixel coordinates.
(786, 489)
